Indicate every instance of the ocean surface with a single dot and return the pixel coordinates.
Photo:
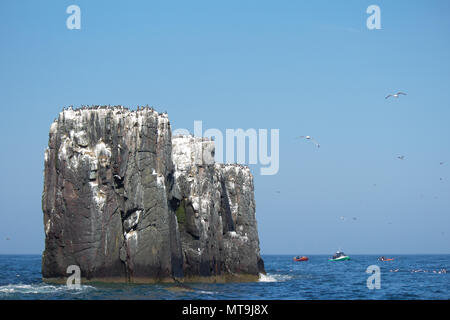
(407, 277)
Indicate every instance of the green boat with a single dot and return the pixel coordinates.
(339, 256)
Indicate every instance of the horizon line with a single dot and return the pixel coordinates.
(276, 254)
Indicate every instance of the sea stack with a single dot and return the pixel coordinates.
(126, 202)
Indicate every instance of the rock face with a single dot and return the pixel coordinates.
(126, 202)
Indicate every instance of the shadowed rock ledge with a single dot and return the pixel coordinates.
(126, 202)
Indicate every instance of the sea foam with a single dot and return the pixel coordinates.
(274, 277)
(41, 289)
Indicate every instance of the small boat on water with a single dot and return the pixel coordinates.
(339, 256)
(385, 259)
(302, 258)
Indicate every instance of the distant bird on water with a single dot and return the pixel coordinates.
(401, 157)
(441, 163)
(395, 95)
(310, 138)
(8, 239)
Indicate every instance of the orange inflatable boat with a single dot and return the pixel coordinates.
(303, 258)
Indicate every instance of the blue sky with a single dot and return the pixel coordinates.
(303, 67)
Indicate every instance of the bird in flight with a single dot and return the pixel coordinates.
(395, 95)
(310, 138)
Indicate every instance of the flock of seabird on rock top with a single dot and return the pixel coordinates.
(119, 108)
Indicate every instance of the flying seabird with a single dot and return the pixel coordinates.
(395, 95)
(312, 139)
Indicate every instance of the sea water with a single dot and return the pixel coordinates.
(407, 277)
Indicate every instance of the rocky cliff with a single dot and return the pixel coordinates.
(127, 203)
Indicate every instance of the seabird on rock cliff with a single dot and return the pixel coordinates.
(395, 95)
(312, 139)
